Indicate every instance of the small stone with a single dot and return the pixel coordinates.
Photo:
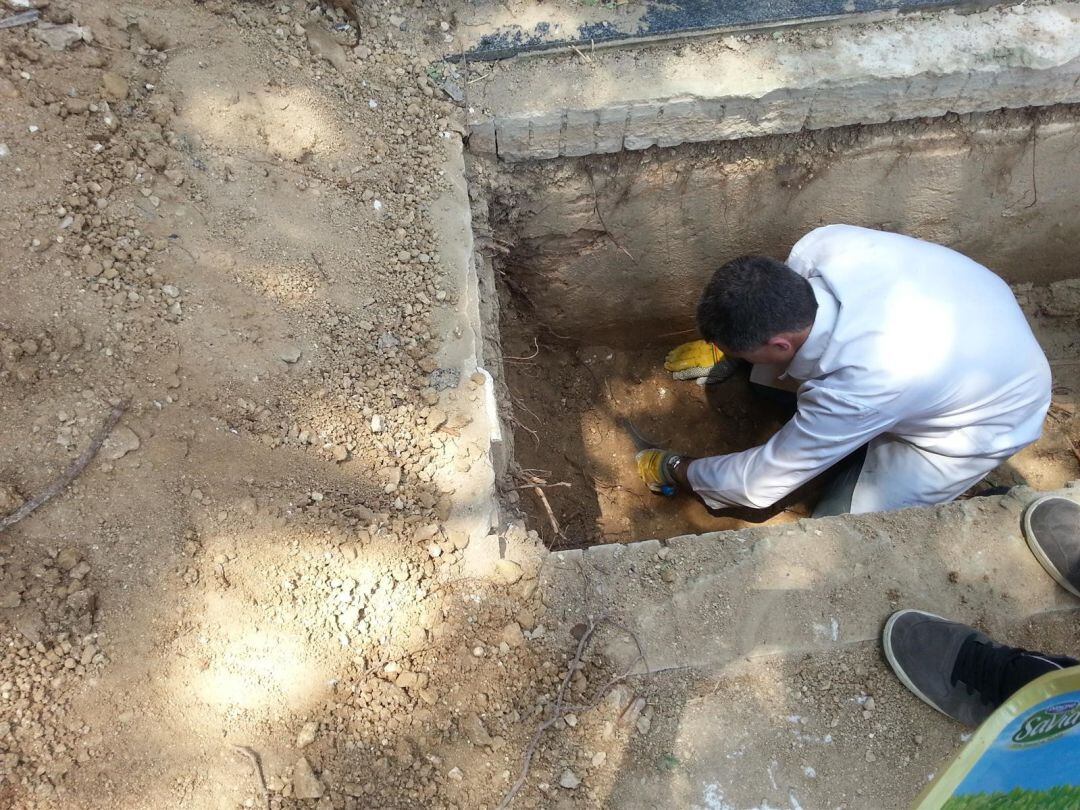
(62, 37)
(10, 499)
(599, 758)
(113, 86)
(426, 532)
(68, 558)
(76, 106)
(306, 784)
(121, 441)
(870, 756)
(473, 728)
(512, 635)
(323, 45)
(478, 651)
(376, 424)
(290, 354)
(307, 734)
(340, 452)
(455, 774)
(155, 37)
(507, 572)
(569, 780)
(870, 705)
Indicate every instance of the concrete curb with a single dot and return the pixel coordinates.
(925, 66)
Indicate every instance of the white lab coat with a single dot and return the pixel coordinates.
(917, 351)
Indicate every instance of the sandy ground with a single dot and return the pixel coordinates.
(205, 220)
(569, 402)
(215, 215)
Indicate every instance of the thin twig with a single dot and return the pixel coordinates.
(543, 486)
(517, 401)
(536, 351)
(70, 474)
(547, 508)
(599, 216)
(534, 472)
(1034, 182)
(257, 764)
(678, 332)
(582, 55)
(525, 427)
(560, 710)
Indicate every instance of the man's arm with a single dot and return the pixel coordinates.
(825, 429)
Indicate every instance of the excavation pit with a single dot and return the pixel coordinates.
(569, 402)
(604, 257)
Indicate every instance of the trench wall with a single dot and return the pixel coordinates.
(614, 249)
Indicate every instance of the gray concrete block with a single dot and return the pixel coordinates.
(482, 137)
(579, 133)
(816, 585)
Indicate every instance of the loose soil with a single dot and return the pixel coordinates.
(568, 402)
(215, 214)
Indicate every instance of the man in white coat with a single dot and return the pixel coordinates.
(911, 361)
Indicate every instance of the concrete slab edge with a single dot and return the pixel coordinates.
(474, 508)
(673, 121)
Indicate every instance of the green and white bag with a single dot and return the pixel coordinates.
(1025, 755)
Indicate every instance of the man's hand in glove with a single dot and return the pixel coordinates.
(664, 473)
(696, 361)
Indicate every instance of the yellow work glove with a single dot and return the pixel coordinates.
(652, 466)
(692, 361)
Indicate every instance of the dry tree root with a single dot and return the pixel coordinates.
(257, 765)
(560, 709)
(70, 474)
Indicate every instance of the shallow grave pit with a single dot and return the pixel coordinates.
(606, 256)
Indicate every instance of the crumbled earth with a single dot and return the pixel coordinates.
(569, 405)
(216, 216)
(835, 729)
(569, 402)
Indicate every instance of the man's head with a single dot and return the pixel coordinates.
(757, 309)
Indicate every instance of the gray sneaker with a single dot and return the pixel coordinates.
(923, 650)
(1052, 529)
(958, 670)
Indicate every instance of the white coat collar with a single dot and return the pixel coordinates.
(804, 365)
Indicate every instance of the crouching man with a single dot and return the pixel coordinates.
(911, 364)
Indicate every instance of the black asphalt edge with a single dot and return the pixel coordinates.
(698, 18)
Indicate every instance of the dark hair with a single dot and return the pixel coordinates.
(752, 299)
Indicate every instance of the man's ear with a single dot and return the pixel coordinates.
(781, 342)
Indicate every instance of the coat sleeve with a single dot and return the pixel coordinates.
(826, 428)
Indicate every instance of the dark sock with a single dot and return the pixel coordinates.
(996, 671)
(1023, 669)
